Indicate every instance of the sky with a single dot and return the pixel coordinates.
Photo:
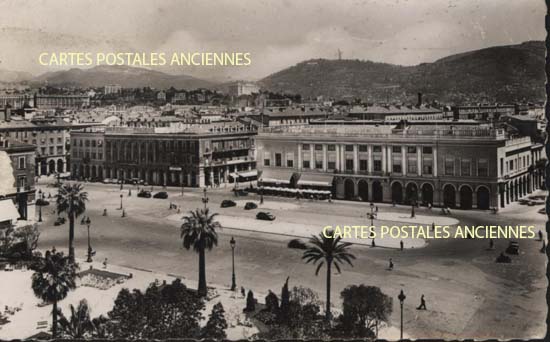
(277, 33)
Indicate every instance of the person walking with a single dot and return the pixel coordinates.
(540, 235)
(422, 305)
(391, 265)
(491, 244)
(401, 244)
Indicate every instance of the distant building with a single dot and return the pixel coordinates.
(283, 116)
(161, 96)
(61, 101)
(112, 89)
(396, 112)
(483, 112)
(179, 98)
(243, 88)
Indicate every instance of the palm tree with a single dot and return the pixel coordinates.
(52, 280)
(79, 324)
(72, 200)
(329, 250)
(199, 231)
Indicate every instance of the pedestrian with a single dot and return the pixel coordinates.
(53, 249)
(105, 212)
(376, 209)
(391, 265)
(422, 305)
(373, 244)
(105, 263)
(540, 235)
(243, 292)
(433, 226)
(430, 206)
(491, 244)
(401, 244)
(543, 249)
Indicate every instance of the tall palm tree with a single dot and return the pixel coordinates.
(79, 324)
(52, 280)
(329, 250)
(199, 231)
(71, 199)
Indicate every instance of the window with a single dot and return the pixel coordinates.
(331, 165)
(465, 167)
(349, 164)
(396, 149)
(502, 165)
(396, 168)
(427, 166)
(363, 148)
(266, 162)
(427, 150)
(21, 163)
(412, 166)
(305, 164)
(377, 149)
(318, 147)
(349, 148)
(377, 165)
(511, 165)
(318, 164)
(482, 167)
(363, 165)
(21, 182)
(305, 147)
(278, 160)
(411, 149)
(449, 166)
(331, 147)
(289, 163)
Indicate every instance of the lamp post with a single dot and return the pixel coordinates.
(233, 282)
(372, 214)
(261, 192)
(41, 198)
(88, 223)
(204, 199)
(401, 298)
(121, 195)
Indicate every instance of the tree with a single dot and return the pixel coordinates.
(216, 325)
(365, 307)
(79, 324)
(199, 231)
(71, 199)
(285, 302)
(324, 249)
(272, 302)
(52, 280)
(28, 235)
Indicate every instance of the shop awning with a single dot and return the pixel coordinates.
(246, 174)
(233, 174)
(315, 179)
(276, 176)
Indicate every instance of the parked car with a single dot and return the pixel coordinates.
(59, 221)
(228, 203)
(297, 244)
(161, 194)
(107, 181)
(250, 206)
(266, 216)
(144, 194)
(513, 248)
(42, 202)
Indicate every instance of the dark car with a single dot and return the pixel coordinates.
(42, 202)
(228, 203)
(513, 248)
(59, 221)
(144, 194)
(250, 206)
(265, 216)
(161, 194)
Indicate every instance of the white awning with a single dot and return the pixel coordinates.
(246, 174)
(281, 176)
(8, 211)
(233, 174)
(315, 179)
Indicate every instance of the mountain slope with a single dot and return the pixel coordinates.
(10, 76)
(127, 77)
(502, 73)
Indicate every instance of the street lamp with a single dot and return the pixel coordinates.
(261, 192)
(233, 282)
(204, 199)
(401, 298)
(41, 198)
(88, 223)
(121, 195)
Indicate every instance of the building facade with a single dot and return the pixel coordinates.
(204, 155)
(61, 101)
(454, 166)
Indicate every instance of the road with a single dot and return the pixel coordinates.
(467, 294)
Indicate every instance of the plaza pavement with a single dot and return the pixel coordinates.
(467, 294)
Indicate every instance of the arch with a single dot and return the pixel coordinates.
(100, 172)
(449, 196)
(427, 191)
(349, 189)
(363, 189)
(397, 192)
(483, 197)
(377, 192)
(51, 166)
(411, 193)
(60, 166)
(465, 197)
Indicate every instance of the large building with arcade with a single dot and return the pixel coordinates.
(456, 166)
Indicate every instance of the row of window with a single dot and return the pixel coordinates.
(364, 148)
(466, 167)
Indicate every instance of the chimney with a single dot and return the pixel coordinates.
(419, 103)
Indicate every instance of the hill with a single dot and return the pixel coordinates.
(127, 77)
(10, 76)
(502, 73)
